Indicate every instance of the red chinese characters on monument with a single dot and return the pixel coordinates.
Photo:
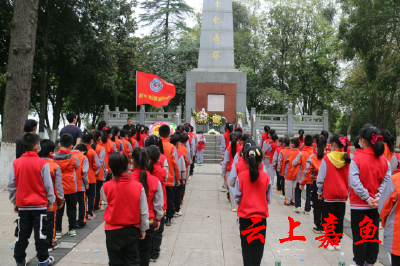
(254, 232)
(367, 231)
(292, 226)
(330, 237)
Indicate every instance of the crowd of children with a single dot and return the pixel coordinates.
(330, 175)
(140, 178)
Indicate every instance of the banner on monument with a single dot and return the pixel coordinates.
(152, 90)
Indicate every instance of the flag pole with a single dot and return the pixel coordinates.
(136, 99)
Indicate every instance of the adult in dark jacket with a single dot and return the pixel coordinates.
(30, 126)
(129, 126)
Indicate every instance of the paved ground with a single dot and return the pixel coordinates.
(206, 234)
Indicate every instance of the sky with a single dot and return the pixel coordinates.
(196, 4)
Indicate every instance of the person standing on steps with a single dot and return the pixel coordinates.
(72, 129)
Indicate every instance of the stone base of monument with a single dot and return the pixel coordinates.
(222, 91)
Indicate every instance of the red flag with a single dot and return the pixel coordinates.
(153, 90)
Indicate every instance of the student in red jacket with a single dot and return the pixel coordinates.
(357, 146)
(264, 136)
(301, 161)
(127, 146)
(101, 172)
(274, 166)
(116, 138)
(291, 171)
(333, 183)
(47, 149)
(269, 148)
(301, 138)
(31, 192)
(309, 178)
(390, 153)
(369, 173)
(127, 213)
(82, 179)
(154, 194)
(68, 163)
(251, 190)
(94, 166)
(173, 176)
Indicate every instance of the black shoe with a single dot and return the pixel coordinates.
(168, 222)
(190, 174)
(155, 258)
(80, 226)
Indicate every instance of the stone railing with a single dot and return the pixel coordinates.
(289, 124)
(119, 118)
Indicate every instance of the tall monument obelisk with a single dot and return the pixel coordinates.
(216, 85)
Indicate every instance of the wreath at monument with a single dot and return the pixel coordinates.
(193, 113)
(239, 115)
(201, 117)
(217, 120)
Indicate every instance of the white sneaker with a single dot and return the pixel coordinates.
(338, 247)
(103, 202)
(282, 197)
(306, 213)
(223, 190)
(234, 209)
(189, 178)
(330, 247)
(298, 210)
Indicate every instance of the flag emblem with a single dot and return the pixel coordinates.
(156, 85)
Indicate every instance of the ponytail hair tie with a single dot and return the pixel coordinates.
(344, 140)
(105, 128)
(375, 138)
(258, 152)
(252, 153)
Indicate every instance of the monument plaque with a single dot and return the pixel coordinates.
(216, 79)
(216, 103)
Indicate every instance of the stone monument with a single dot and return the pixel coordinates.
(216, 85)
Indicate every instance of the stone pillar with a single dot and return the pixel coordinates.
(141, 115)
(176, 119)
(326, 120)
(179, 112)
(290, 122)
(106, 110)
(253, 125)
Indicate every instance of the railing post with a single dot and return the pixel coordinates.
(290, 122)
(141, 115)
(314, 114)
(176, 119)
(253, 126)
(326, 120)
(179, 112)
(106, 115)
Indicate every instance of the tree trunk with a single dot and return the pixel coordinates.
(353, 116)
(43, 83)
(19, 78)
(398, 132)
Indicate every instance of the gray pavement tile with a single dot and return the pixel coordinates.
(199, 241)
(197, 257)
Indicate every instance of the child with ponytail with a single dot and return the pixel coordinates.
(369, 173)
(101, 154)
(333, 183)
(155, 169)
(225, 139)
(357, 146)
(94, 166)
(109, 147)
(155, 200)
(269, 149)
(127, 214)
(301, 138)
(132, 138)
(230, 154)
(309, 178)
(389, 153)
(115, 138)
(251, 190)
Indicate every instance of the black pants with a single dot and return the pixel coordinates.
(297, 196)
(157, 240)
(183, 192)
(70, 200)
(26, 221)
(283, 182)
(51, 227)
(144, 247)
(192, 166)
(170, 201)
(97, 200)
(395, 260)
(91, 194)
(317, 206)
(252, 252)
(82, 208)
(177, 199)
(123, 246)
(338, 209)
(365, 252)
(278, 181)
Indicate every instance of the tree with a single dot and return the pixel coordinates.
(19, 78)
(166, 17)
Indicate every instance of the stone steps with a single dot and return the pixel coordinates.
(212, 154)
